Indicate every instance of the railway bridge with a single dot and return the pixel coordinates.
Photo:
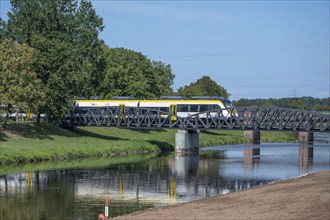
(250, 119)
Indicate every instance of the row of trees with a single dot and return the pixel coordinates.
(51, 53)
(207, 87)
(307, 103)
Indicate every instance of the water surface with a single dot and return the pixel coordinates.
(79, 193)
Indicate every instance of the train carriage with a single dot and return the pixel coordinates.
(173, 105)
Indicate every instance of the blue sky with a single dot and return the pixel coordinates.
(254, 49)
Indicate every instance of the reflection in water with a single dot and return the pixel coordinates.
(121, 188)
(79, 193)
(305, 158)
(186, 165)
(251, 158)
(29, 181)
(172, 190)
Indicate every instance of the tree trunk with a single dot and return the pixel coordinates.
(4, 126)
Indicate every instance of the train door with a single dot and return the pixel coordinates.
(173, 111)
(122, 111)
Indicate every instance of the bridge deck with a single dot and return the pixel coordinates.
(249, 118)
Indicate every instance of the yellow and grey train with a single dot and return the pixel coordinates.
(176, 106)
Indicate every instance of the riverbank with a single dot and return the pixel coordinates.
(306, 197)
(27, 143)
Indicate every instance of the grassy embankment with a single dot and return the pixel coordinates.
(27, 143)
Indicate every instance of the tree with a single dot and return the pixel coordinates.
(65, 32)
(19, 86)
(130, 73)
(307, 103)
(164, 77)
(204, 86)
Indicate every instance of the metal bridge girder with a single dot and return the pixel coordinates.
(247, 118)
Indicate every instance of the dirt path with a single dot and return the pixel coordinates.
(307, 197)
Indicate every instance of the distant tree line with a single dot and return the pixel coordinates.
(307, 103)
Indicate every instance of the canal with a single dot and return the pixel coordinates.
(78, 192)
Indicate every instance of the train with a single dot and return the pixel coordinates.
(177, 106)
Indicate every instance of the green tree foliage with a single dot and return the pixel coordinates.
(204, 86)
(19, 86)
(164, 77)
(129, 73)
(65, 32)
(307, 103)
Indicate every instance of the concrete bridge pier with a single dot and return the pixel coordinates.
(306, 137)
(187, 141)
(252, 136)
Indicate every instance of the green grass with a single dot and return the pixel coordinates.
(28, 143)
(276, 136)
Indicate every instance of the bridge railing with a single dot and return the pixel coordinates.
(249, 118)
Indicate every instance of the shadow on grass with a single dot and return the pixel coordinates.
(3, 136)
(147, 130)
(85, 133)
(30, 130)
(46, 131)
(163, 146)
(214, 133)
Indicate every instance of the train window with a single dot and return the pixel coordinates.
(214, 107)
(164, 109)
(194, 108)
(204, 108)
(182, 108)
(227, 103)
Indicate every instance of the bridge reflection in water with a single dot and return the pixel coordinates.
(251, 158)
(190, 177)
(156, 182)
(305, 158)
(306, 155)
(185, 178)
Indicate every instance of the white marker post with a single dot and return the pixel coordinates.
(106, 208)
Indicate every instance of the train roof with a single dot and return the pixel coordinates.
(164, 98)
(173, 98)
(207, 98)
(124, 98)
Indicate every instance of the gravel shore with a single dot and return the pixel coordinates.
(306, 197)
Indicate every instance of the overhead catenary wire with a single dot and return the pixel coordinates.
(279, 85)
(242, 52)
(259, 75)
